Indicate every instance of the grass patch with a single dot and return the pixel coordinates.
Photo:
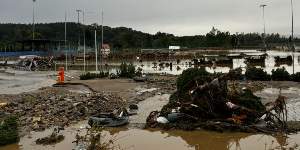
(89, 76)
(9, 130)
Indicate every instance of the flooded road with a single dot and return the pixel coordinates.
(15, 82)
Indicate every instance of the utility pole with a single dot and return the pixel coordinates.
(264, 22)
(102, 32)
(33, 19)
(96, 53)
(33, 23)
(66, 41)
(78, 17)
(292, 37)
(83, 42)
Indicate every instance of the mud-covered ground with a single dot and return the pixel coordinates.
(59, 106)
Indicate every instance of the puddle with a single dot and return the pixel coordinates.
(144, 90)
(138, 139)
(147, 106)
(132, 138)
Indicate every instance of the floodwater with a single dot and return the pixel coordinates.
(138, 139)
(177, 68)
(15, 82)
(133, 137)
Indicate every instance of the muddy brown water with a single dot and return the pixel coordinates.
(138, 139)
(132, 137)
(177, 68)
(135, 138)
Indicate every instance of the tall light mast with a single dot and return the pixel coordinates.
(96, 53)
(292, 37)
(264, 22)
(78, 17)
(84, 63)
(102, 32)
(33, 19)
(66, 41)
(33, 23)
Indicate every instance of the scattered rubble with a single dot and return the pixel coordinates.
(57, 107)
(94, 139)
(203, 101)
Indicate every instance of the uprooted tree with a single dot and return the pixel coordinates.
(204, 100)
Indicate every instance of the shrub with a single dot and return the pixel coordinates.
(9, 131)
(280, 74)
(257, 74)
(88, 76)
(189, 75)
(126, 71)
(235, 74)
(296, 77)
(249, 100)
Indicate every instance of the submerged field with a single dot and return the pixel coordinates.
(149, 96)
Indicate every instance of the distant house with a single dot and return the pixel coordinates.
(105, 50)
(174, 47)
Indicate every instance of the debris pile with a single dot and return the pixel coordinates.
(58, 107)
(54, 138)
(34, 63)
(205, 101)
(95, 139)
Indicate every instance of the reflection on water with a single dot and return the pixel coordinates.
(173, 66)
(149, 67)
(138, 139)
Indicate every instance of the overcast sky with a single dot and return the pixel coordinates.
(180, 17)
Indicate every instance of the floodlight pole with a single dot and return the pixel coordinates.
(96, 53)
(33, 23)
(292, 8)
(33, 19)
(78, 17)
(102, 32)
(84, 63)
(66, 41)
(292, 37)
(264, 34)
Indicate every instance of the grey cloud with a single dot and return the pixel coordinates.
(180, 17)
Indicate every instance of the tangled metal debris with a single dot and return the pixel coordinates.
(34, 63)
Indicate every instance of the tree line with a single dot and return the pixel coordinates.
(126, 38)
